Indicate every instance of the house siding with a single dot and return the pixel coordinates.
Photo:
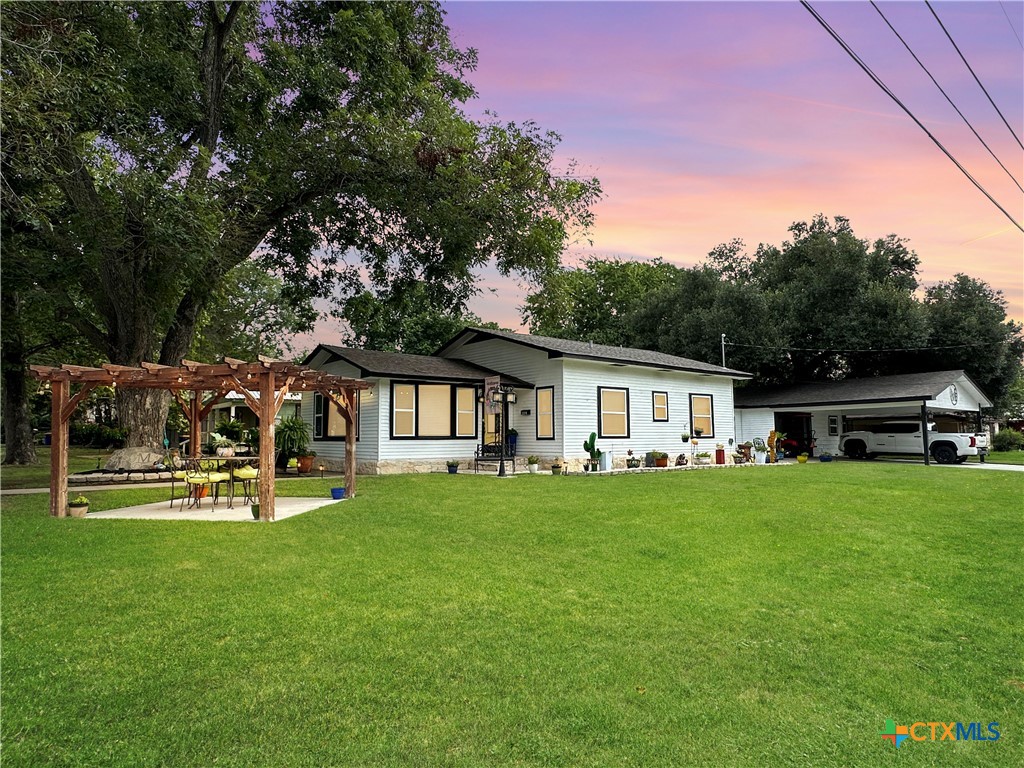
(582, 379)
(332, 452)
(534, 366)
(754, 422)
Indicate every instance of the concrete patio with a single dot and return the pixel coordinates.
(285, 507)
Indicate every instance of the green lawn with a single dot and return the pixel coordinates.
(748, 617)
(38, 475)
(1006, 457)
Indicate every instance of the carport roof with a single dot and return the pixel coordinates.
(909, 387)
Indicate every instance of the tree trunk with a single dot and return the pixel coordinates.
(14, 364)
(17, 419)
(143, 412)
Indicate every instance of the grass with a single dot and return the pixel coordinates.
(38, 475)
(748, 617)
(1005, 457)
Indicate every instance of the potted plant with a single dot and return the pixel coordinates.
(760, 452)
(660, 459)
(78, 506)
(802, 458)
(556, 466)
(222, 444)
(533, 463)
(292, 436)
(739, 458)
(255, 511)
(825, 456)
(685, 437)
(704, 457)
(632, 462)
(453, 466)
(697, 432)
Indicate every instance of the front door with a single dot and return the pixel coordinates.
(797, 428)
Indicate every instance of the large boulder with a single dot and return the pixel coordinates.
(134, 459)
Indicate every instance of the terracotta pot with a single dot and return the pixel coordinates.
(661, 462)
(305, 464)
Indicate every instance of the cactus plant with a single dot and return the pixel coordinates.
(590, 446)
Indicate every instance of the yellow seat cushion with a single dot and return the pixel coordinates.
(246, 473)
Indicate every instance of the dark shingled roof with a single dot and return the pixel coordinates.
(400, 365)
(906, 387)
(587, 351)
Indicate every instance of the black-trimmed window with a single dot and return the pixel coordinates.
(545, 413)
(612, 412)
(328, 424)
(702, 414)
(432, 411)
(659, 406)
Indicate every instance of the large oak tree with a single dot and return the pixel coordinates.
(163, 144)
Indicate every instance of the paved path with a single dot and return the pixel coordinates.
(284, 507)
(965, 465)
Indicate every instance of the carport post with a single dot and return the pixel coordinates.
(981, 453)
(924, 430)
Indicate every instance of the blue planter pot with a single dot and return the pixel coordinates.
(826, 459)
(337, 493)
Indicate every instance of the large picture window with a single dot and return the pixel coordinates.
(702, 415)
(545, 413)
(328, 424)
(613, 412)
(660, 405)
(432, 411)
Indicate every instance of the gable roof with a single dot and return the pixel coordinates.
(905, 387)
(585, 350)
(371, 362)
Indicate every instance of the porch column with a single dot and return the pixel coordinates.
(61, 389)
(924, 431)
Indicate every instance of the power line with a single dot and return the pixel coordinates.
(835, 35)
(882, 349)
(943, 92)
(1010, 23)
(978, 81)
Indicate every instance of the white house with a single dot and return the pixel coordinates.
(423, 410)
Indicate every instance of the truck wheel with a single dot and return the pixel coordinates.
(944, 454)
(854, 449)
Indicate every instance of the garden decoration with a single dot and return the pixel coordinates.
(78, 506)
(632, 462)
(453, 467)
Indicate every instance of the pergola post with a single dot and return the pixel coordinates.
(195, 427)
(267, 414)
(61, 391)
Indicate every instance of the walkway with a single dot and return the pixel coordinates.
(284, 507)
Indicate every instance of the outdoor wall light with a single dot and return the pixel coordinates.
(321, 471)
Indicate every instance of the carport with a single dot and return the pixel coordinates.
(816, 414)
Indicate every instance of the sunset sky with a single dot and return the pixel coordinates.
(709, 121)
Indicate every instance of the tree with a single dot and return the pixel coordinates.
(970, 331)
(325, 140)
(251, 314)
(593, 302)
(407, 321)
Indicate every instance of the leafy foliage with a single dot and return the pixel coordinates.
(152, 148)
(593, 302)
(406, 320)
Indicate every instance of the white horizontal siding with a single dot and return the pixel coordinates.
(369, 402)
(754, 422)
(533, 366)
(583, 377)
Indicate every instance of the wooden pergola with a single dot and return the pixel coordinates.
(263, 384)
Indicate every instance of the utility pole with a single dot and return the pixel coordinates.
(723, 350)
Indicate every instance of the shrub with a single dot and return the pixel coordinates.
(1008, 440)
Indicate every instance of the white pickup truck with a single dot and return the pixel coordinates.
(904, 437)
